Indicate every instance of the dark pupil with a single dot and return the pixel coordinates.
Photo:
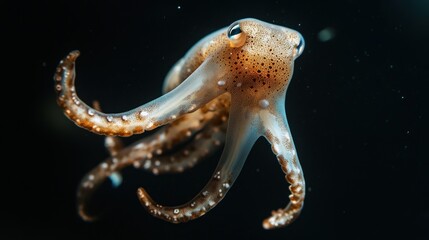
(235, 30)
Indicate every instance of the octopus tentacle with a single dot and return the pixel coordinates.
(195, 91)
(186, 158)
(204, 132)
(112, 144)
(278, 134)
(239, 141)
(132, 155)
(173, 79)
(204, 144)
(155, 153)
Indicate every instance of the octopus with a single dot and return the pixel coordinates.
(227, 91)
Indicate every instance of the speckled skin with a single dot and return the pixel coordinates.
(229, 88)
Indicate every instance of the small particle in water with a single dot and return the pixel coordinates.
(326, 34)
(179, 7)
(116, 179)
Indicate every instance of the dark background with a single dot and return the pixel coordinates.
(356, 109)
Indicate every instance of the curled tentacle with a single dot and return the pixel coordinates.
(240, 138)
(278, 134)
(114, 164)
(175, 157)
(203, 130)
(201, 146)
(198, 89)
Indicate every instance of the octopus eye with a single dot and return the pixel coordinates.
(300, 47)
(235, 35)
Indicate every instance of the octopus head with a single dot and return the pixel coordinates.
(260, 57)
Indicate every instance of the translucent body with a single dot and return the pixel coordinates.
(230, 87)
